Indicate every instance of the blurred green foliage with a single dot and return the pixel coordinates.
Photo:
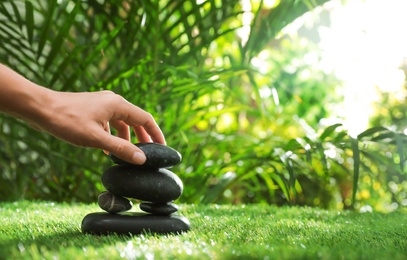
(245, 113)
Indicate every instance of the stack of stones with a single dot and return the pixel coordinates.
(151, 183)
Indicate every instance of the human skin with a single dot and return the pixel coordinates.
(83, 118)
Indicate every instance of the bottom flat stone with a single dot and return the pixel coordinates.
(133, 223)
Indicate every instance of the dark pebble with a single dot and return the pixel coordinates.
(133, 223)
(154, 185)
(158, 156)
(113, 203)
(159, 208)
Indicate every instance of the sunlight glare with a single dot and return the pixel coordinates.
(247, 18)
(365, 46)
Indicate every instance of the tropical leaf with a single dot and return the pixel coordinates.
(328, 131)
(46, 27)
(29, 21)
(356, 167)
(400, 150)
(267, 24)
(372, 131)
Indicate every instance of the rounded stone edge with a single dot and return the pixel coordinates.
(156, 211)
(115, 198)
(92, 222)
(146, 165)
(129, 170)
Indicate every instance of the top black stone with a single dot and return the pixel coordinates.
(158, 156)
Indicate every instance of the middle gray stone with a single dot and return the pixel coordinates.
(153, 185)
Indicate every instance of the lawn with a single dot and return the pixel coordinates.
(34, 230)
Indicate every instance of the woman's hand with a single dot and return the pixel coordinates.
(82, 119)
(85, 119)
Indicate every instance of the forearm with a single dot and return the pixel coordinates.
(21, 97)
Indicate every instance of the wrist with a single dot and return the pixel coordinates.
(21, 97)
(36, 108)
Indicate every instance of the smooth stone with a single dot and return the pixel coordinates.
(158, 156)
(133, 223)
(113, 203)
(163, 209)
(154, 185)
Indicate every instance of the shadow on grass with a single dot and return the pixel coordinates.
(56, 241)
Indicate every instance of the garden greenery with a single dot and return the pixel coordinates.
(245, 113)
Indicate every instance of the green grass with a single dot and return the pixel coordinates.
(34, 230)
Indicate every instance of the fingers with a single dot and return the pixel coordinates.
(142, 135)
(152, 129)
(122, 129)
(122, 148)
(142, 122)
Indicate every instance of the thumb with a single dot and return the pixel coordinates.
(123, 149)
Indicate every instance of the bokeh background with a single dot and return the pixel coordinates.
(281, 102)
